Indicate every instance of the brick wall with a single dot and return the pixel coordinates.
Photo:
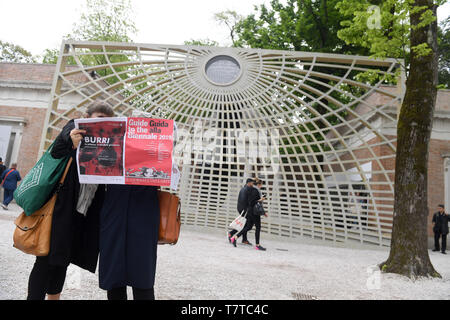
(34, 116)
(31, 137)
(33, 72)
(436, 176)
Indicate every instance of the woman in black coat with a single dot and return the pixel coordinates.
(129, 224)
(74, 237)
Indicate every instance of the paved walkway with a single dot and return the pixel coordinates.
(203, 265)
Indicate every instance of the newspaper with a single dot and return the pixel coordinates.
(121, 150)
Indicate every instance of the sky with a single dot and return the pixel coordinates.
(37, 25)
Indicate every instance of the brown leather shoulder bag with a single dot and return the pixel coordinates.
(170, 218)
(32, 234)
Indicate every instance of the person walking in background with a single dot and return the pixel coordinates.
(9, 183)
(253, 218)
(440, 228)
(242, 207)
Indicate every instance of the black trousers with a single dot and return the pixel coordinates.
(138, 294)
(45, 279)
(252, 220)
(437, 236)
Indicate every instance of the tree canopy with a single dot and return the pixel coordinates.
(301, 25)
(105, 20)
(101, 20)
(384, 27)
(444, 53)
(10, 52)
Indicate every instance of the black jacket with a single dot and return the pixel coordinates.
(248, 196)
(243, 199)
(253, 197)
(440, 223)
(74, 237)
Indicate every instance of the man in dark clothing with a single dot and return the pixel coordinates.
(242, 208)
(440, 228)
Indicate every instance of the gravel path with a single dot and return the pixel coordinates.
(204, 266)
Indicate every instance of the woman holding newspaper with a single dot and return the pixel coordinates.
(119, 222)
(75, 223)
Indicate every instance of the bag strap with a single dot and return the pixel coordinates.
(6, 176)
(61, 181)
(65, 171)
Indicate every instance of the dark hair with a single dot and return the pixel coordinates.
(100, 106)
(441, 205)
(258, 181)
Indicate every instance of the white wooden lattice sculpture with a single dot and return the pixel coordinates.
(307, 124)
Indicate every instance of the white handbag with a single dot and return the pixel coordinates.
(239, 223)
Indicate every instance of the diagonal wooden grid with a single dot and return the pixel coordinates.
(329, 138)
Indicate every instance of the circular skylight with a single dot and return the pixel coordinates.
(222, 70)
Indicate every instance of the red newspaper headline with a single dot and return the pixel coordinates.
(123, 150)
(148, 151)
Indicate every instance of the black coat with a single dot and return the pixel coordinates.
(129, 224)
(247, 198)
(243, 198)
(74, 237)
(440, 223)
(253, 197)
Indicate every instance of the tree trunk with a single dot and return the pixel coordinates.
(409, 244)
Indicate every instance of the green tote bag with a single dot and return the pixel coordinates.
(40, 182)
